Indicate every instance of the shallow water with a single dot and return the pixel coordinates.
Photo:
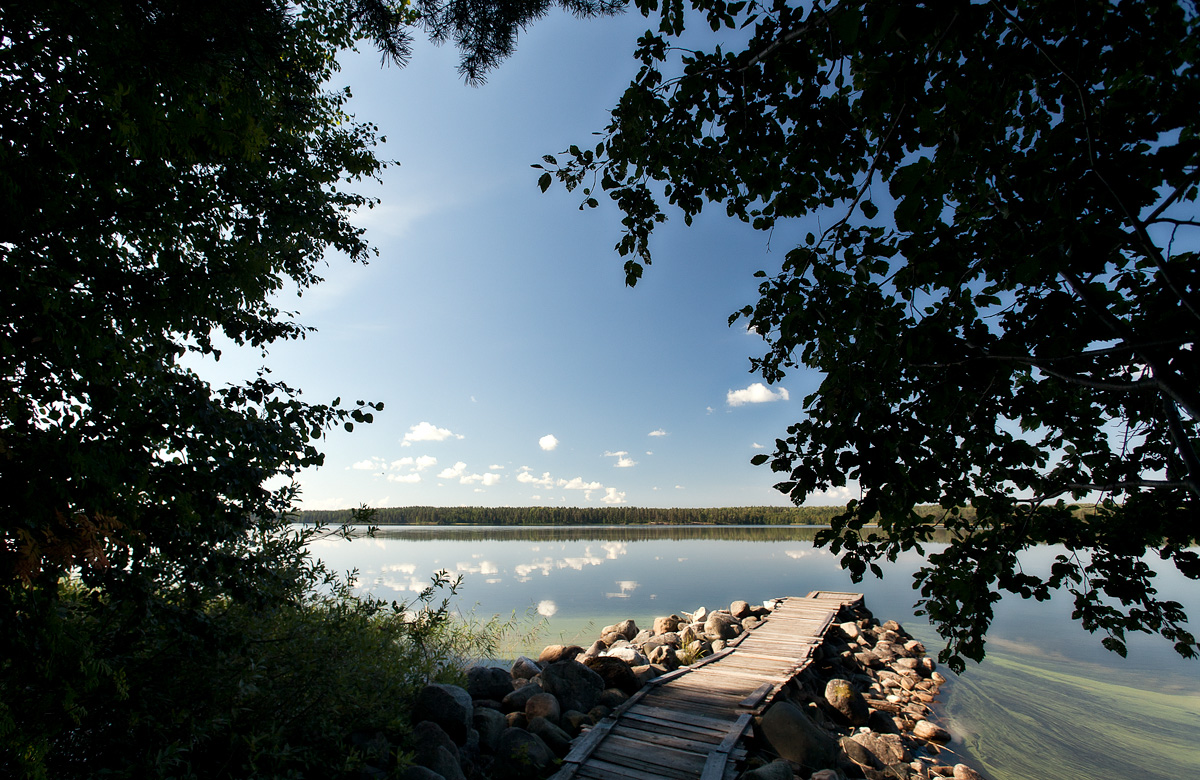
(1049, 702)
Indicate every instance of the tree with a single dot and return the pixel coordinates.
(999, 286)
(165, 169)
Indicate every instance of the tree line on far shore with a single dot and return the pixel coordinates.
(566, 515)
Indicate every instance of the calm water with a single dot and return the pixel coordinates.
(1048, 703)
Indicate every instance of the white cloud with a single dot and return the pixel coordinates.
(486, 479)
(401, 463)
(495, 467)
(679, 487)
(548, 442)
(623, 459)
(756, 446)
(611, 496)
(547, 608)
(578, 484)
(450, 472)
(837, 496)
(543, 481)
(405, 568)
(424, 431)
(627, 588)
(424, 462)
(366, 465)
(757, 393)
(408, 479)
(658, 432)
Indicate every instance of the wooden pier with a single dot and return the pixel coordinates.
(686, 725)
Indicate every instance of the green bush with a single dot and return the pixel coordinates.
(319, 686)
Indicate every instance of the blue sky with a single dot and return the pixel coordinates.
(515, 366)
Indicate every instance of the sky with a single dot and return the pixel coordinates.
(514, 365)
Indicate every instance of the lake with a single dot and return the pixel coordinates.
(1049, 701)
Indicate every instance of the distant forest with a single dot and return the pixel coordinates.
(568, 516)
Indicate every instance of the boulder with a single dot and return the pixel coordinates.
(489, 682)
(553, 653)
(428, 737)
(750, 623)
(739, 609)
(555, 738)
(489, 723)
(615, 673)
(850, 629)
(446, 705)
(665, 655)
(543, 705)
(931, 732)
(776, 770)
(666, 625)
(859, 755)
(516, 720)
(722, 625)
(887, 748)
(521, 754)
(848, 704)
(523, 668)
(699, 615)
(516, 701)
(795, 737)
(573, 721)
(574, 685)
(444, 764)
(964, 772)
(627, 629)
(629, 655)
(613, 697)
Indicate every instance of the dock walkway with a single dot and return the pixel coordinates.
(687, 725)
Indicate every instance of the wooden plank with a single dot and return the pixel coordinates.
(666, 740)
(715, 764)
(650, 759)
(584, 744)
(722, 685)
(676, 715)
(607, 769)
(702, 733)
(600, 769)
(704, 698)
(749, 652)
(754, 699)
(710, 708)
(743, 675)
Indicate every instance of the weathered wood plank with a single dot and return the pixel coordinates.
(760, 693)
(691, 729)
(682, 716)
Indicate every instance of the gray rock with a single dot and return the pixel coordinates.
(627, 629)
(613, 697)
(489, 723)
(555, 738)
(794, 736)
(776, 770)
(446, 705)
(860, 755)
(543, 705)
(882, 722)
(847, 703)
(687, 635)
(665, 655)
(964, 772)
(750, 623)
(932, 732)
(641, 638)
(739, 609)
(699, 615)
(523, 668)
(516, 720)
(489, 682)
(573, 721)
(615, 673)
(887, 748)
(554, 653)
(418, 772)
(574, 685)
(722, 625)
(629, 655)
(428, 737)
(521, 754)
(666, 625)
(850, 629)
(516, 701)
(599, 712)
(442, 762)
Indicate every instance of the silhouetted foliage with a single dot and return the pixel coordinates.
(165, 169)
(1000, 285)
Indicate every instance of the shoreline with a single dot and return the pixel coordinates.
(863, 707)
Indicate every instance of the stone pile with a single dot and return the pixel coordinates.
(861, 710)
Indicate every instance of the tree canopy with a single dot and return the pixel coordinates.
(999, 286)
(165, 169)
